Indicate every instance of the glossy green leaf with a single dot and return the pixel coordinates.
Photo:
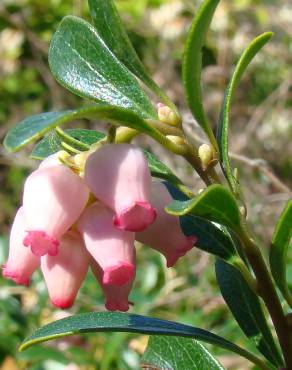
(33, 128)
(81, 62)
(93, 322)
(192, 64)
(211, 238)
(173, 353)
(246, 308)
(52, 143)
(110, 28)
(215, 203)
(278, 253)
(223, 128)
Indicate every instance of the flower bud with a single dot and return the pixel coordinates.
(178, 140)
(53, 200)
(65, 272)
(118, 175)
(112, 249)
(21, 263)
(167, 115)
(165, 234)
(116, 297)
(206, 154)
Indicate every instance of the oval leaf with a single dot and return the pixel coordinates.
(173, 353)
(223, 128)
(52, 143)
(122, 322)
(192, 65)
(215, 204)
(110, 28)
(278, 253)
(81, 62)
(246, 308)
(211, 238)
(33, 128)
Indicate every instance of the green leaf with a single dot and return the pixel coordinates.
(192, 64)
(110, 28)
(246, 308)
(81, 62)
(173, 353)
(211, 238)
(52, 143)
(215, 204)
(160, 170)
(93, 322)
(278, 253)
(33, 128)
(223, 128)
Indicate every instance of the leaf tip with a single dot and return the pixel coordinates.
(10, 148)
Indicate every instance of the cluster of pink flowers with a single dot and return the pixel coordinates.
(68, 223)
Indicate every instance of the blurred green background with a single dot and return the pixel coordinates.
(261, 148)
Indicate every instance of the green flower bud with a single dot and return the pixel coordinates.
(206, 154)
(176, 139)
(167, 115)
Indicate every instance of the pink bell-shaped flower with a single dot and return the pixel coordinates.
(65, 272)
(112, 249)
(21, 263)
(118, 175)
(116, 297)
(165, 234)
(53, 200)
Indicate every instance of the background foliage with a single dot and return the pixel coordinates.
(261, 134)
